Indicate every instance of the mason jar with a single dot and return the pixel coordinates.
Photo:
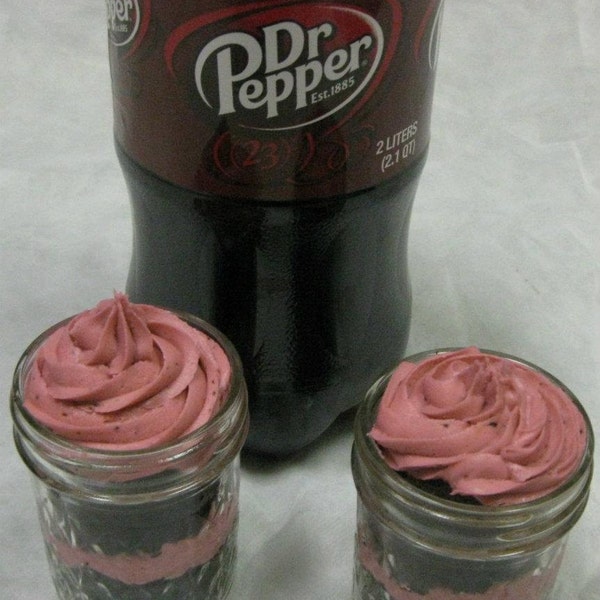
(143, 524)
(412, 544)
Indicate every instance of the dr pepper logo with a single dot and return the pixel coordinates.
(279, 67)
(127, 22)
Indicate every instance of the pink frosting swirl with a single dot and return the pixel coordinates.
(491, 428)
(125, 376)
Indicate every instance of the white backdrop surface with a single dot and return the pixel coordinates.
(504, 254)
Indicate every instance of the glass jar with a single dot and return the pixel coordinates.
(124, 525)
(414, 545)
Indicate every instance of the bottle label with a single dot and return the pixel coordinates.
(279, 100)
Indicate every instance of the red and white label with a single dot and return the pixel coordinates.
(272, 99)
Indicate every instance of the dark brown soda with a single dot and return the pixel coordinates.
(315, 296)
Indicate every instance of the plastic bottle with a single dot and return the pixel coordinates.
(272, 151)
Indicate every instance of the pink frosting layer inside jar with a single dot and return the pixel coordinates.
(172, 561)
(492, 428)
(125, 376)
(532, 586)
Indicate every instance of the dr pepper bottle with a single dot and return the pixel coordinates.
(272, 150)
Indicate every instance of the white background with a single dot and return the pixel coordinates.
(504, 253)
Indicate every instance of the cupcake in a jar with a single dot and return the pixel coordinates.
(471, 468)
(131, 419)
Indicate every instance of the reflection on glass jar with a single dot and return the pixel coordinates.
(416, 542)
(152, 523)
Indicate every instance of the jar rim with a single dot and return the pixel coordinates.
(399, 488)
(23, 420)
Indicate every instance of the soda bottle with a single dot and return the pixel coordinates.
(272, 150)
